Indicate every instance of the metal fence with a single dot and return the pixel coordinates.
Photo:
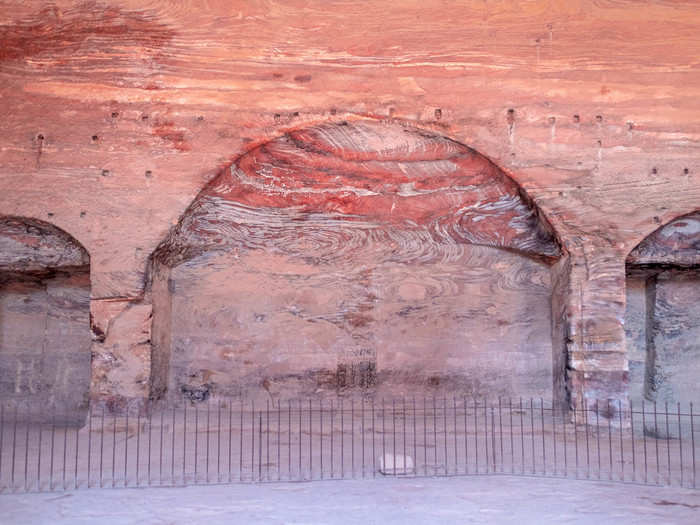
(232, 441)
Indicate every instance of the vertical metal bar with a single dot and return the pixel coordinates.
(126, 446)
(184, 442)
(486, 436)
(575, 425)
(444, 429)
(466, 434)
(150, 432)
(374, 455)
(544, 454)
(138, 443)
(279, 439)
(102, 436)
(53, 435)
(393, 431)
(656, 443)
(26, 452)
(230, 438)
(14, 452)
(454, 413)
(383, 437)
(333, 432)
(610, 439)
(415, 444)
(644, 439)
(532, 435)
(300, 419)
(588, 457)
(668, 443)
(680, 442)
(252, 438)
(160, 448)
(218, 440)
(2, 435)
(342, 438)
(425, 436)
(352, 435)
(476, 436)
(403, 416)
(206, 469)
(500, 431)
(172, 449)
(622, 449)
(634, 455)
(320, 418)
(196, 441)
(114, 449)
(240, 441)
(692, 443)
(564, 416)
(554, 434)
(435, 434)
(522, 439)
(512, 451)
(362, 431)
(493, 437)
(38, 461)
(260, 446)
(289, 441)
(311, 438)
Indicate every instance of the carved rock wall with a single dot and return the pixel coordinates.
(44, 319)
(663, 312)
(362, 254)
(116, 115)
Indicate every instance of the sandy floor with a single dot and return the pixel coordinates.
(476, 499)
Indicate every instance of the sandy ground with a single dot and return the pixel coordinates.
(476, 499)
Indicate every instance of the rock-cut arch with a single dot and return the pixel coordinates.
(356, 254)
(44, 319)
(662, 321)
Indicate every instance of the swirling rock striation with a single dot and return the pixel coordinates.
(352, 253)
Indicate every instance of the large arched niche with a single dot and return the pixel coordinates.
(364, 255)
(662, 320)
(44, 319)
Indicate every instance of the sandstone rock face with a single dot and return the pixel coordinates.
(364, 254)
(44, 318)
(677, 243)
(116, 115)
(663, 313)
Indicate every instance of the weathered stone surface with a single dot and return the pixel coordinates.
(115, 115)
(44, 318)
(28, 245)
(121, 351)
(663, 312)
(674, 363)
(360, 245)
(45, 342)
(676, 243)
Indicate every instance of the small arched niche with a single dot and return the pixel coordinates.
(662, 321)
(365, 255)
(44, 320)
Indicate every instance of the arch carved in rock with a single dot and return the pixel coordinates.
(356, 254)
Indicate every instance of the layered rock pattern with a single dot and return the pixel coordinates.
(676, 243)
(44, 318)
(359, 254)
(663, 312)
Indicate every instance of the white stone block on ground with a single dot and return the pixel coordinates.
(392, 465)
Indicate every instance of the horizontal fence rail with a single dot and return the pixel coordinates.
(231, 441)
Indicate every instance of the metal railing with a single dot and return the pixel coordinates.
(232, 441)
